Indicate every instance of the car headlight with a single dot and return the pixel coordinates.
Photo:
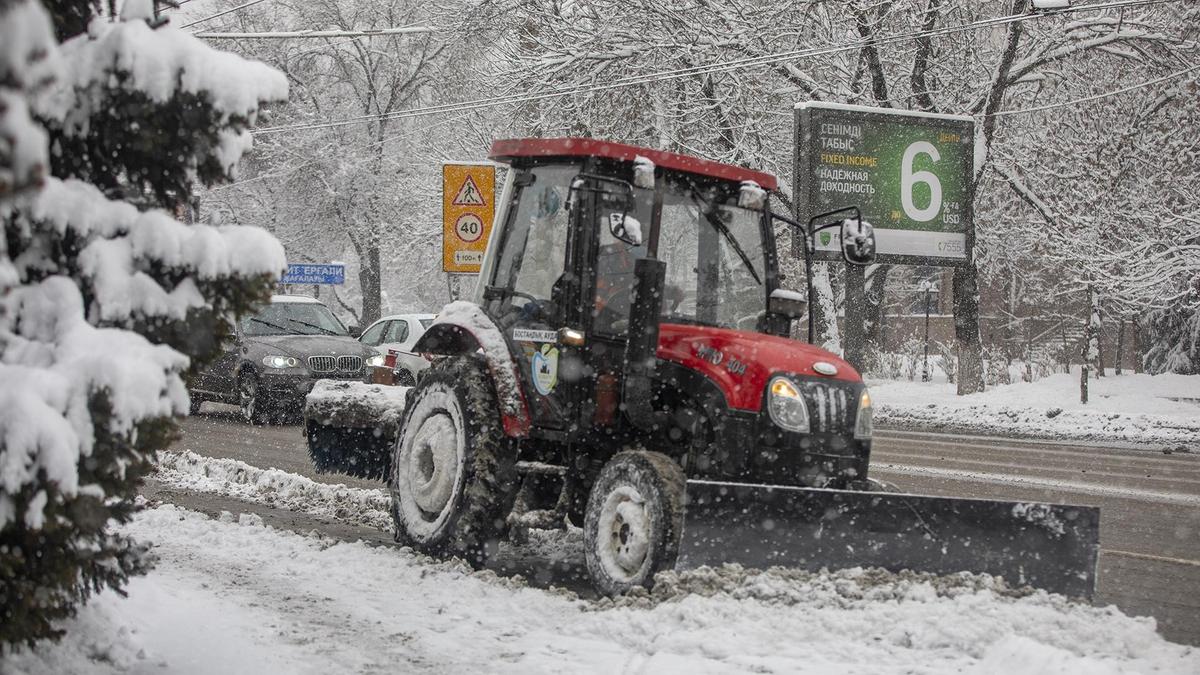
(377, 360)
(786, 405)
(276, 361)
(864, 421)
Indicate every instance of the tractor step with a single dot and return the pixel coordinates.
(1048, 546)
(541, 468)
(540, 519)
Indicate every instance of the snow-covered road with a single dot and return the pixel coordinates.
(233, 596)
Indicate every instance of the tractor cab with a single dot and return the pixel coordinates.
(561, 275)
(638, 291)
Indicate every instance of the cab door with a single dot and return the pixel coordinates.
(534, 292)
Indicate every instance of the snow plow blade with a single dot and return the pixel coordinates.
(1049, 546)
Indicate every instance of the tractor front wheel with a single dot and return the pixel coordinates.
(633, 522)
(453, 478)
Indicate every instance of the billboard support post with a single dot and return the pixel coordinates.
(910, 173)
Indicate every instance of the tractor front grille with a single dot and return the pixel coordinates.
(828, 407)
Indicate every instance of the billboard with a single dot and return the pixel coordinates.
(909, 172)
(468, 204)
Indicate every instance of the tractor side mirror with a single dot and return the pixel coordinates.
(858, 241)
(614, 197)
(626, 228)
(788, 304)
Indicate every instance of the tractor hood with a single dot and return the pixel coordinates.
(741, 362)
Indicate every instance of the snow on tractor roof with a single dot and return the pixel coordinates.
(509, 149)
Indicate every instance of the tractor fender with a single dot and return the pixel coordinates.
(463, 328)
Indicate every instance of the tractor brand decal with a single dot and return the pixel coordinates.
(710, 354)
(530, 335)
(717, 357)
(544, 367)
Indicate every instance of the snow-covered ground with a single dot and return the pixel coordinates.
(1135, 408)
(233, 596)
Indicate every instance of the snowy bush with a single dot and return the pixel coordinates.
(1173, 339)
(106, 305)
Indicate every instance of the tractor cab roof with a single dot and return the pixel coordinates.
(509, 149)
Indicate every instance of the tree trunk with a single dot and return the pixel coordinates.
(854, 343)
(369, 282)
(966, 325)
(824, 309)
(874, 315)
(1091, 330)
(1137, 346)
(1120, 346)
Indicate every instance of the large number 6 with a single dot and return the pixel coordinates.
(908, 179)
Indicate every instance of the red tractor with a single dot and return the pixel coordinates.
(626, 365)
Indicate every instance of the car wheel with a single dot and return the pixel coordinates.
(634, 520)
(251, 400)
(453, 479)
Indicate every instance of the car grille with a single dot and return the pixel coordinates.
(828, 407)
(349, 365)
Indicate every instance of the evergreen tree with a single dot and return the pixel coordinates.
(107, 303)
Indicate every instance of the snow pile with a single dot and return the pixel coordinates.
(272, 487)
(1137, 408)
(161, 63)
(231, 595)
(338, 403)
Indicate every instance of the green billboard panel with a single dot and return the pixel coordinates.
(909, 172)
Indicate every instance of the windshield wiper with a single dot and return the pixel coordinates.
(276, 326)
(710, 214)
(313, 325)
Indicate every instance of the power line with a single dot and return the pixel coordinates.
(701, 70)
(1094, 97)
(294, 34)
(219, 14)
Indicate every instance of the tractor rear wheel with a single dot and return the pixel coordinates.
(453, 477)
(633, 522)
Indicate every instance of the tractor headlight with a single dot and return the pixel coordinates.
(863, 422)
(277, 361)
(376, 360)
(786, 405)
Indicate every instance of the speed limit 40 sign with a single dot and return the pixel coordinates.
(909, 172)
(468, 204)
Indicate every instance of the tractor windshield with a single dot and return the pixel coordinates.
(714, 254)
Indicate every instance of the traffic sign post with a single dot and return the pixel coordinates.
(468, 205)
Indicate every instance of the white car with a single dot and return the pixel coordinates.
(399, 332)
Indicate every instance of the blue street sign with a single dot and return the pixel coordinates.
(314, 274)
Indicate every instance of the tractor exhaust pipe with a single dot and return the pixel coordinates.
(642, 347)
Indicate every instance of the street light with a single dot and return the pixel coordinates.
(926, 285)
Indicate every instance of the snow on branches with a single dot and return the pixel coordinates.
(105, 304)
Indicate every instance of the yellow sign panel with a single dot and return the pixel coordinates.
(468, 204)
